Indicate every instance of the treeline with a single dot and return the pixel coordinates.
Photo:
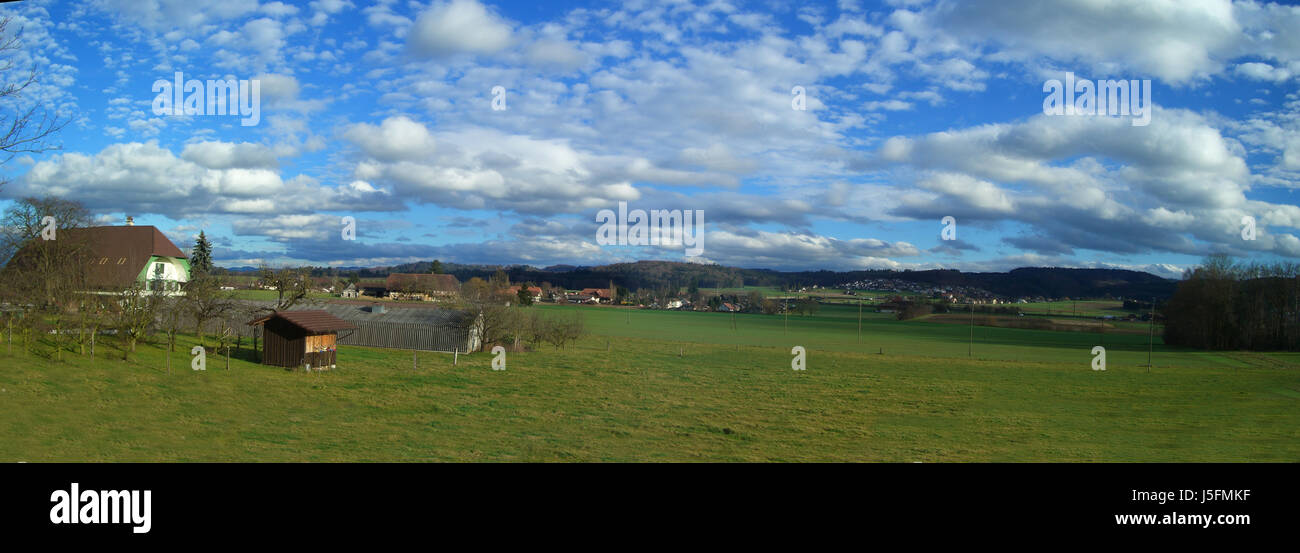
(1047, 282)
(672, 276)
(1222, 305)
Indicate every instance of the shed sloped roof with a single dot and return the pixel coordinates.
(311, 321)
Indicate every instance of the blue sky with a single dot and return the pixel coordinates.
(915, 110)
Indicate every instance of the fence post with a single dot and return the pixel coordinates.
(414, 366)
(455, 356)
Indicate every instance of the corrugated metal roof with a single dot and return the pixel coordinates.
(401, 327)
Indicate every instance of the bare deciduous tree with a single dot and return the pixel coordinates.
(171, 312)
(486, 312)
(205, 301)
(24, 127)
(291, 285)
(137, 308)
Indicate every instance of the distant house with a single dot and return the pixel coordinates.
(301, 338)
(582, 297)
(728, 307)
(535, 291)
(423, 287)
(119, 257)
(602, 295)
(350, 292)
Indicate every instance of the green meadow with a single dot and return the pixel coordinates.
(673, 386)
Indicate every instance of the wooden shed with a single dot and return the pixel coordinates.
(297, 338)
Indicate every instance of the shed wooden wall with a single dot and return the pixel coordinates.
(320, 341)
(283, 344)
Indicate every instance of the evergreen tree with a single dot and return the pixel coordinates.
(436, 267)
(201, 255)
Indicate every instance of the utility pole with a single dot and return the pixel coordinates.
(785, 314)
(1151, 336)
(970, 350)
(859, 320)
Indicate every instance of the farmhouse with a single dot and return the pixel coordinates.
(350, 291)
(298, 338)
(578, 297)
(601, 295)
(118, 257)
(535, 291)
(423, 287)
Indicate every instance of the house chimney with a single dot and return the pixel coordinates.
(130, 221)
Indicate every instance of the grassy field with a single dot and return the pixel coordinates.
(272, 295)
(1081, 308)
(835, 328)
(673, 386)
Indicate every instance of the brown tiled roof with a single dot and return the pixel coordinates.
(311, 321)
(419, 282)
(117, 255)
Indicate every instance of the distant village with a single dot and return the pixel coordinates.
(951, 294)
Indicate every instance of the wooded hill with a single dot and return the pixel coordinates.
(1025, 282)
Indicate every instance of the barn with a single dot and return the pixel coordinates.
(297, 338)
